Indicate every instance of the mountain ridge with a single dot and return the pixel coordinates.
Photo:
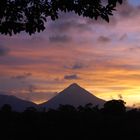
(16, 103)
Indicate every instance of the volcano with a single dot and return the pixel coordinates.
(73, 95)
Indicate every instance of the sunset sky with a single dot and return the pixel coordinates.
(103, 58)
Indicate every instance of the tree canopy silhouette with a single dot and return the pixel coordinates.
(30, 15)
(6, 108)
(115, 107)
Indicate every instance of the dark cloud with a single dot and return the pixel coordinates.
(103, 39)
(71, 77)
(60, 38)
(75, 66)
(68, 22)
(3, 50)
(23, 76)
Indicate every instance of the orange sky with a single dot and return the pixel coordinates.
(103, 58)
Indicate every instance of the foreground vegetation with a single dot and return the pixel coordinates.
(67, 122)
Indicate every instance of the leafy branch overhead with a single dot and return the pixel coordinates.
(31, 15)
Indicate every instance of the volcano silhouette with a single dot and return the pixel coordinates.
(73, 95)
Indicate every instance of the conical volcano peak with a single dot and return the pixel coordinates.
(74, 85)
(73, 95)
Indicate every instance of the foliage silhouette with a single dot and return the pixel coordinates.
(30, 15)
(30, 109)
(115, 107)
(66, 108)
(6, 108)
(67, 122)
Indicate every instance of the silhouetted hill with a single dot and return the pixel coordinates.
(73, 95)
(16, 103)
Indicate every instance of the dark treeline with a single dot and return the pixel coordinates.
(112, 121)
